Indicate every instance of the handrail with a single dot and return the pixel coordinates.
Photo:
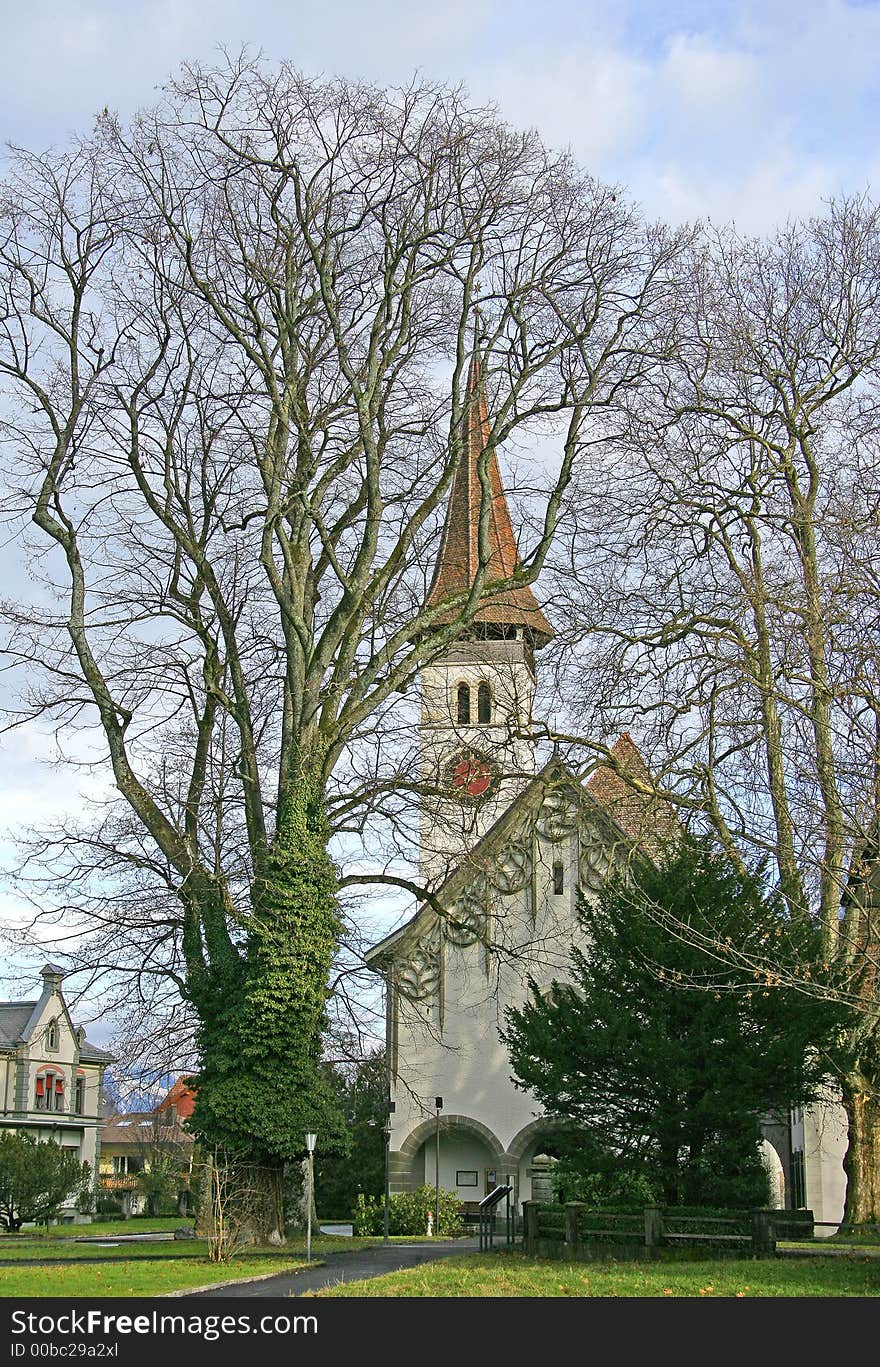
(497, 1194)
(487, 1216)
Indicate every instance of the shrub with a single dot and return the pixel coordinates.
(407, 1213)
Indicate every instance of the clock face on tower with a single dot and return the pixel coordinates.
(470, 775)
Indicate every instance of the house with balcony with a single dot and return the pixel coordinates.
(148, 1155)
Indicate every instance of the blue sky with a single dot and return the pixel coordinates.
(741, 110)
(733, 110)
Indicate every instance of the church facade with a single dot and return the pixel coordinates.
(506, 851)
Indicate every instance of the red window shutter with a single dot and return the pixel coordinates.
(59, 1084)
(39, 1086)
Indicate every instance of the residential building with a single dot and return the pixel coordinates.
(50, 1075)
(138, 1144)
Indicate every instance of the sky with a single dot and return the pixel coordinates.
(744, 111)
(741, 110)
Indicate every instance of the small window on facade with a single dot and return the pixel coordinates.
(464, 705)
(80, 1096)
(484, 704)
(52, 1035)
(558, 880)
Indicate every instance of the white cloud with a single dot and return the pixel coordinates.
(773, 189)
(591, 100)
(36, 788)
(700, 80)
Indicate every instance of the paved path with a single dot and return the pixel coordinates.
(353, 1266)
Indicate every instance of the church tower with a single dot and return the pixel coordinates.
(477, 751)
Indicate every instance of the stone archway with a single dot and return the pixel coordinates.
(466, 1146)
(528, 1142)
(775, 1171)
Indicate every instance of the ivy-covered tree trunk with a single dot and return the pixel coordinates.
(261, 1087)
(861, 1101)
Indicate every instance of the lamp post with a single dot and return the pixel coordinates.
(311, 1140)
(387, 1171)
(438, 1107)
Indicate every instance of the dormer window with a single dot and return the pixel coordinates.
(484, 704)
(464, 704)
(52, 1035)
(49, 1091)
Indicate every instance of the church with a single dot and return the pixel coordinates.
(506, 850)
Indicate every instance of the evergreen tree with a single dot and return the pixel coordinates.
(36, 1179)
(663, 1056)
(341, 1176)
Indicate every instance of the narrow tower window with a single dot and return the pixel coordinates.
(558, 880)
(52, 1035)
(464, 705)
(484, 704)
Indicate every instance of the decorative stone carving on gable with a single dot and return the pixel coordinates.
(467, 917)
(558, 816)
(419, 977)
(595, 863)
(512, 868)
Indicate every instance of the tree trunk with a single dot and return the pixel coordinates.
(861, 1164)
(261, 1088)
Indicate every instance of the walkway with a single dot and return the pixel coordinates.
(352, 1266)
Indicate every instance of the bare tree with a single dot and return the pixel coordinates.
(236, 335)
(732, 610)
(233, 1200)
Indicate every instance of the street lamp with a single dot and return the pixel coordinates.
(311, 1140)
(387, 1170)
(438, 1107)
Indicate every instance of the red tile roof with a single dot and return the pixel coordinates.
(458, 561)
(649, 821)
(181, 1097)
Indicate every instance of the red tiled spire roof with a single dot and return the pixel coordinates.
(458, 561)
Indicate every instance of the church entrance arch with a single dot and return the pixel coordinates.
(471, 1158)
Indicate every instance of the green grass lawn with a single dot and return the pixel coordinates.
(128, 1277)
(29, 1250)
(154, 1268)
(162, 1224)
(512, 1274)
(147, 1269)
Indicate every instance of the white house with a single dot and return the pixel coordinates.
(50, 1075)
(505, 851)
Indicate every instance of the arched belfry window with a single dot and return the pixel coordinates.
(464, 704)
(484, 704)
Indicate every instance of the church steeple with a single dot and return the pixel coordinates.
(458, 561)
(477, 736)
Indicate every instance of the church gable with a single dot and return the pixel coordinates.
(516, 894)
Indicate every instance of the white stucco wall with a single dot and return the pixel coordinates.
(450, 828)
(465, 1061)
(825, 1145)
